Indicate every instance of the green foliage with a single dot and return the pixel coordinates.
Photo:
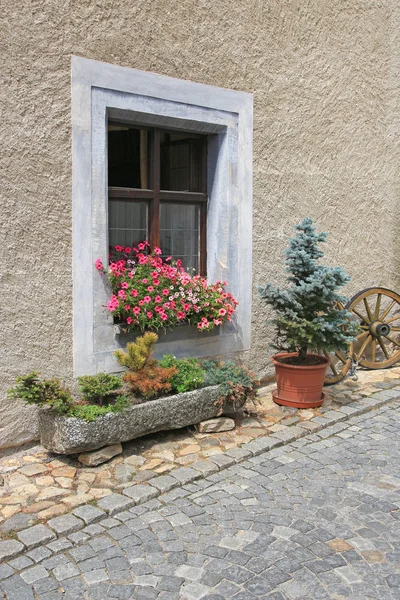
(309, 313)
(139, 353)
(90, 412)
(145, 376)
(189, 375)
(96, 388)
(235, 383)
(42, 392)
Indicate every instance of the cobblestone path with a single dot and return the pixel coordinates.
(316, 519)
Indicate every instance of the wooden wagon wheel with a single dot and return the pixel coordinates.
(339, 365)
(340, 362)
(378, 313)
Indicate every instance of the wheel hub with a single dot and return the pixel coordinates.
(378, 329)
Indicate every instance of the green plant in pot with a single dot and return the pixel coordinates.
(309, 315)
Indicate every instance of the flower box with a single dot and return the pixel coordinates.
(70, 435)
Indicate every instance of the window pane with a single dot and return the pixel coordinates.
(128, 157)
(182, 162)
(179, 233)
(127, 222)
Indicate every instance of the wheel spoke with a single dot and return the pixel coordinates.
(377, 307)
(387, 310)
(362, 335)
(368, 310)
(334, 369)
(393, 319)
(382, 345)
(360, 315)
(364, 345)
(340, 357)
(373, 350)
(392, 341)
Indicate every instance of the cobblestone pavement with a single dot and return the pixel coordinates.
(37, 485)
(316, 519)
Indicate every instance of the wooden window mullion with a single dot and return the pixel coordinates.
(155, 204)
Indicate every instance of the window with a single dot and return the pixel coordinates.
(158, 191)
(204, 124)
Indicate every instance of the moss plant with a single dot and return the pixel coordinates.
(97, 388)
(189, 375)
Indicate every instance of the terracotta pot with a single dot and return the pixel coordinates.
(299, 386)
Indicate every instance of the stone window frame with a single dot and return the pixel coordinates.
(101, 91)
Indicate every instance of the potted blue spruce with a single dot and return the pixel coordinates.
(309, 318)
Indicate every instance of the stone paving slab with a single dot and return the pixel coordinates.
(318, 518)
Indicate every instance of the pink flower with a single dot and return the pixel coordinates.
(122, 294)
(180, 315)
(163, 316)
(158, 299)
(165, 292)
(128, 250)
(142, 259)
(222, 312)
(146, 299)
(156, 282)
(129, 320)
(141, 302)
(168, 259)
(136, 310)
(99, 265)
(119, 248)
(134, 293)
(157, 250)
(149, 314)
(141, 246)
(145, 281)
(217, 321)
(124, 285)
(127, 307)
(113, 303)
(150, 288)
(200, 325)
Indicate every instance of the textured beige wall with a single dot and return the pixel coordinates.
(325, 78)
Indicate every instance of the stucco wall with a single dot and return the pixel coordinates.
(325, 79)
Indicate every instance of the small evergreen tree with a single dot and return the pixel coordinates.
(308, 313)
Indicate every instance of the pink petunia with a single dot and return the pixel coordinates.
(165, 292)
(147, 299)
(136, 310)
(141, 302)
(158, 299)
(163, 316)
(150, 288)
(124, 285)
(99, 265)
(149, 314)
(141, 246)
(222, 312)
(157, 250)
(180, 315)
(129, 320)
(122, 294)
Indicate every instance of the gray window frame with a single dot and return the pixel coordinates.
(101, 91)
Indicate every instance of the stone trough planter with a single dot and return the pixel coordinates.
(69, 435)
